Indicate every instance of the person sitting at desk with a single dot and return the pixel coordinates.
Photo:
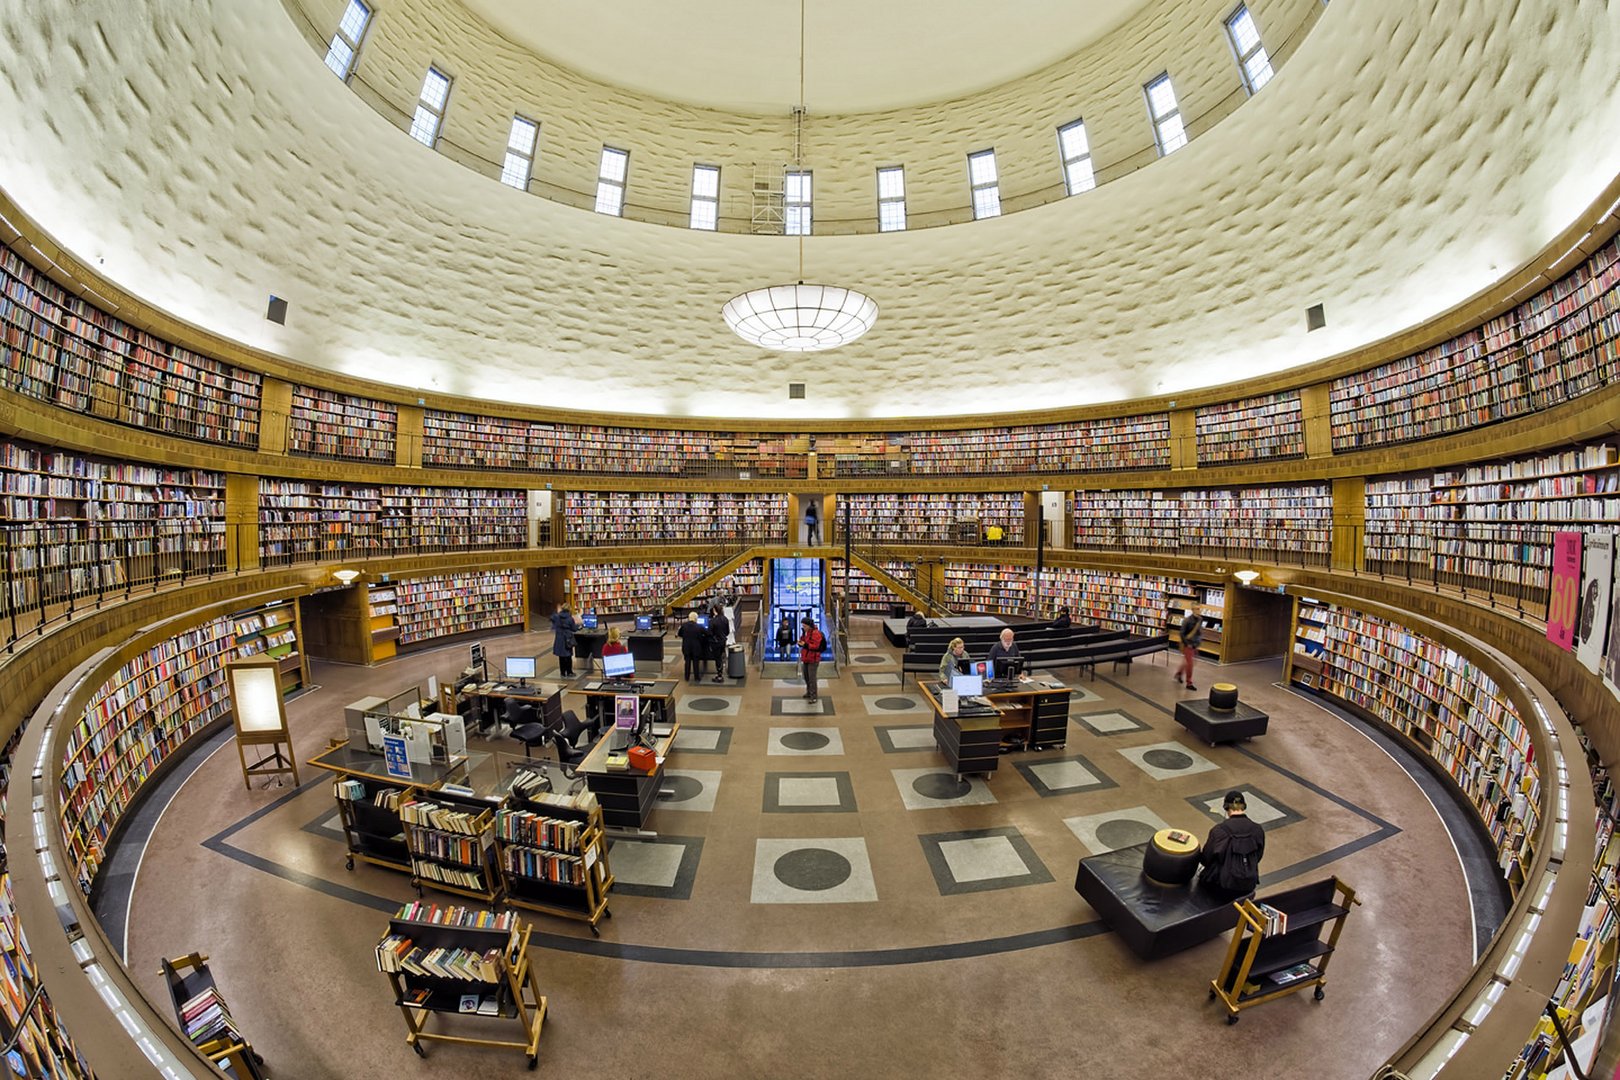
(955, 661)
(1061, 620)
(1004, 649)
(614, 645)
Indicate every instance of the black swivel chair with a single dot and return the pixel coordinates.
(561, 732)
(524, 720)
(572, 725)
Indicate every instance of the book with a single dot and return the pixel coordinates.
(489, 1007)
(1292, 975)
(469, 1003)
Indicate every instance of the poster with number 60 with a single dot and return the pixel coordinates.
(1563, 607)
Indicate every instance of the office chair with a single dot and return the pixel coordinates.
(568, 755)
(571, 726)
(523, 719)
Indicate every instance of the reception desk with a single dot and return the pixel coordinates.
(626, 795)
(1036, 712)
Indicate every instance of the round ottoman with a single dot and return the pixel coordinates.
(1171, 858)
(1223, 696)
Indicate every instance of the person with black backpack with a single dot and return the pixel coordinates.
(1231, 855)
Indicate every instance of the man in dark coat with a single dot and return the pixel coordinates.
(562, 645)
(719, 634)
(1231, 855)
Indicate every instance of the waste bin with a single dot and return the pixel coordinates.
(736, 662)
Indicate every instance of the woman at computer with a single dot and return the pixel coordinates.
(562, 643)
(955, 661)
(614, 645)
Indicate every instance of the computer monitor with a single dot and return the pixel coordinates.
(1009, 667)
(619, 666)
(968, 685)
(643, 622)
(588, 621)
(982, 668)
(520, 667)
(703, 621)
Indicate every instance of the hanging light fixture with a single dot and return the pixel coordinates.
(800, 317)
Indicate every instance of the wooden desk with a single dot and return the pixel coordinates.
(1036, 711)
(659, 697)
(647, 646)
(627, 795)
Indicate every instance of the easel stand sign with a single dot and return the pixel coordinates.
(261, 719)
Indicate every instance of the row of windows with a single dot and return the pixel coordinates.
(984, 185)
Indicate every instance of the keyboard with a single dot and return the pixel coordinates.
(1000, 685)
(625, 686)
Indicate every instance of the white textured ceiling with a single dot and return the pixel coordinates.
(1406, 157)
(743, 55)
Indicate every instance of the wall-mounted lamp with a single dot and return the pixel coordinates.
(1247, 577)
(346, 576)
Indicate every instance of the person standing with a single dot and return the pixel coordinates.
(719, 636)
(694, 640)
(562, 643)
(1192, 634)
(812, 523)
(811, 642)
(1231, 855)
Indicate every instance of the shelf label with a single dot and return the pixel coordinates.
(395, 759)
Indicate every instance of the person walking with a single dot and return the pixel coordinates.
(811, 642)
(563, 628)
(1192, 633)
(694, 640)
(719, 637)
(812, 523)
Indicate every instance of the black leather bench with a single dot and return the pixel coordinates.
(1154, 920)
(1137, 647)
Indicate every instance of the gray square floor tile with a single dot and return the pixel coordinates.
(663, 867)
(1167, 760)
(797, 706)
(809, 793)
(904, 738)
(930, 789)
(1110, 723)
(982, 859)
(696, 739)
(864, 646)
(835, 870)
(1263, 808)
(694, 789)
(1063, 776)
(1113, 829)
(877, 678)
(895, 704)
(803, 741)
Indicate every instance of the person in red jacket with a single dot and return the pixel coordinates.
(811, 642)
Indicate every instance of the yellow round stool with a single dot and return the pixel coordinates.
(1223, 697)
(1171, 858)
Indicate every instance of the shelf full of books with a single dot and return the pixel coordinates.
(1208, 602)
(1135, 603)
(64, 350)
(932, 517)
(1490, 526)
(971, 587)
(865, 593)
(1442, 703)
(598, 518)
(1105, 445)
(552, 850)
(73, 525)
(302, 520)
(324, 424)
(622, 587)
(272, 632)
(428, 608)
(150, 707)
(382, 622)
(1558, 345)
(1283, 522)
(1267, 428)
(451, 840)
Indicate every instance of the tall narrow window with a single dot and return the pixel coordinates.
(706, 197)
(519, 164)
(796, 214)
(891, 180)
(430, 107)
(986, 187)
(1251, 54)
(1168, 131)
(1075, 150)
(610, 181)
(346, 42)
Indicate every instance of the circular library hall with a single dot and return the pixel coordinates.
(728, 539)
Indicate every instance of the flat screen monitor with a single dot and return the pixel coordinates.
(643, 622)
(968, 685)
(588, 621)
(619, 666)
(1008, 667)
(703, 621)
(982, 668)
(520, 667)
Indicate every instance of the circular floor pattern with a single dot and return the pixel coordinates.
(941, 786)
(1124, 832)
(804, 740)
(681, 788)
(812, 869)
(706, 704)
(1167, 759)
(870, 659)
(899, 704)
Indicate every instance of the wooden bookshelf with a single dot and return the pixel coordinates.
(1293, 522)
(1209, 601)
(619, 588)
(274, 631)
(1105, 445)
(431, 608)
(460, 441)
(1135, 603)
(1139, 520)
(1442, 704)
(988, 588)
(78, 525)
(932, 517)
(63, 350)
(866, 594)
(325, 424)
(1558, 345)
(599, 518)
(382, 621)
(302, 520)
(1255, 429)
(451, 841)
(553, 853)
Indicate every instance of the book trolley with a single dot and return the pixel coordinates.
(1278, 946)
(451, 840)
(466, 962)
(553, 855)
(206, 1020)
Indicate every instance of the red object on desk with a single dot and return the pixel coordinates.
(642, 758)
